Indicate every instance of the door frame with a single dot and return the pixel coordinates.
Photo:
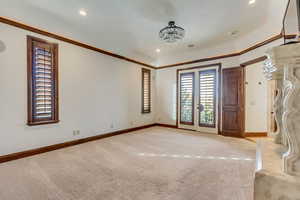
(244, 65)
(219, 69)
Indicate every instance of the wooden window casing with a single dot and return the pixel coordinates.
(146, 91)
(42, 76)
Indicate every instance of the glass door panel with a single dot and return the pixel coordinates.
(207, 98)
(187, 98)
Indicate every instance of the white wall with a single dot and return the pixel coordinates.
(166, 82)
(95, 91)
(256, 95)
(166, 89)
(166, 78)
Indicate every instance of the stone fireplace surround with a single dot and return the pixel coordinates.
(278, 161)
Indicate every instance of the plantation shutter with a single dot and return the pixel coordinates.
(207, 98)
(42, 75)
(146, 91)
(187, 98)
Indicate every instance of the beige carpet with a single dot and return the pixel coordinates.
(152, 164)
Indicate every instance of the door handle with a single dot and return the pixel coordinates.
(200, 107)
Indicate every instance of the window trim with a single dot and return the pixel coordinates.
(30, 99)
(146, 71)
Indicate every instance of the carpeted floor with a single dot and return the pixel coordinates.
(151, 164)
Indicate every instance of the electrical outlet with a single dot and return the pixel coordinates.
(111, 125)
(131, 123)
(76, 132)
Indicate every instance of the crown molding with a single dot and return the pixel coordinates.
(254, 61)
(83, 45)
(260, 44)
(68, 40)
(200, 60)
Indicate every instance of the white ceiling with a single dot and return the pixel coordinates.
(130, 27)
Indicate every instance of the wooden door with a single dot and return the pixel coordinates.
(233, 114)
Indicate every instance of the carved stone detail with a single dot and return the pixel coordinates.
(273, 73)
(278, 136)
(291, 118)
(283, 64)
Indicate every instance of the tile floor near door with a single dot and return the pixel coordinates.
(151, 164)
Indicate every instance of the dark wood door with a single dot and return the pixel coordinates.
(233, 97)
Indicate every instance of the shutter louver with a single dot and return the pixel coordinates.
(42, 83)
(207, 98)
(146, 91)
(187, 98)
(42, 74)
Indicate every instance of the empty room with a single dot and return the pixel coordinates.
(149, 100)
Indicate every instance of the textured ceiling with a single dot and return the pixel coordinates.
(131, 27)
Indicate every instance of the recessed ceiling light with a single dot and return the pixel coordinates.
(252, 2)
(157, 50)
(82, 12)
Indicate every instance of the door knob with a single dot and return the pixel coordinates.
(201, 107)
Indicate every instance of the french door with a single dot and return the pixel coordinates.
(198, 99)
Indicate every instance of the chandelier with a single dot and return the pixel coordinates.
(171, 33)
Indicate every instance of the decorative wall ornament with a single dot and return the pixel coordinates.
(172, 33)
(270, 70)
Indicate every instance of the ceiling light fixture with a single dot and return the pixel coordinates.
(252, 2)
(82, 12)
(171, 33)
(157, 50)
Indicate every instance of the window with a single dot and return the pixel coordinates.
(146, 91)
(207, 98)
(42, 81)
(187, 98)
